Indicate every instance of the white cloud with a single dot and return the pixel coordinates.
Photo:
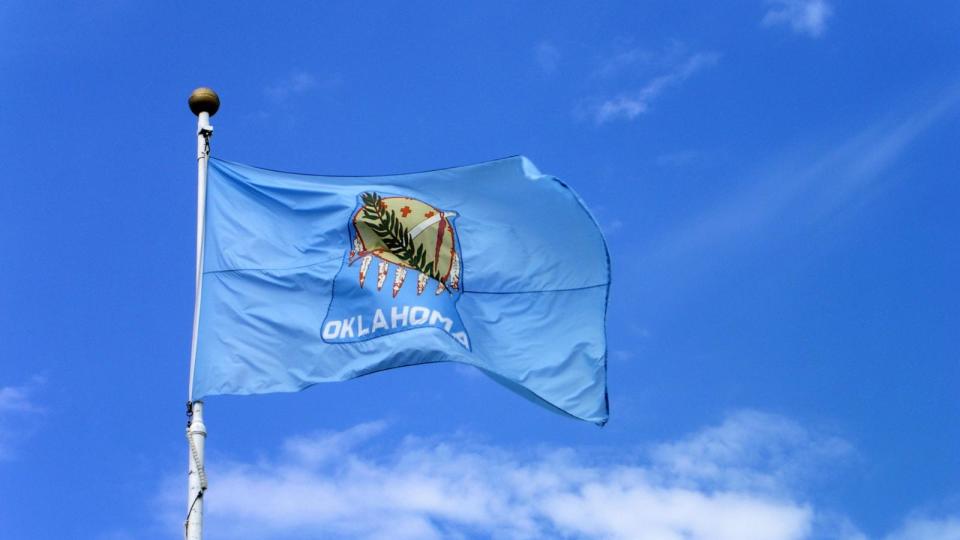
(610, 223)
(751, 451)
(630, 105)
(17, 408)
(803, 16)
(15, 399)
(628, 60)
(319, 448)
(720, 483)
(548, 57)
(745, 478)
(926, 528)
(299, 83)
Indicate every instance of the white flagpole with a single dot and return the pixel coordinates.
(204, 103)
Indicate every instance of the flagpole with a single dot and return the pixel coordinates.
(204, 103)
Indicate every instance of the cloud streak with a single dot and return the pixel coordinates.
(299, 83)
(16, 399)
(927, 528)
(807, 17)
(17, 407)
(628, 106)
(803, 187)
(547, 56)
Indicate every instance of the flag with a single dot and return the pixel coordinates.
(310, 279)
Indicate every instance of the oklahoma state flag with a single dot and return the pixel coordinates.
(310, 279)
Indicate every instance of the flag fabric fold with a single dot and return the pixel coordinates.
(310, 279)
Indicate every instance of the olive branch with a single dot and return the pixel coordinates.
(395, 236)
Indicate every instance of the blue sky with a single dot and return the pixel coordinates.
(777, 182)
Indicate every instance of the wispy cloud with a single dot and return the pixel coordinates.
(284, 98)
(728, 455)
(298, 83)
(927, 528)
(17, 408)
(802, 186)
(547, 56)
(630, 105)
(16, 399)
(808, 17)
(627, 60)
(724, 482)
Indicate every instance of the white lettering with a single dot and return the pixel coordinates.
(400, 316)
(462, 338)
(331, 330)
(379, 321)
(419, 315)
(347, 329)
(436, 317)
(361, 331)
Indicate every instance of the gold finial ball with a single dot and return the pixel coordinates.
(204, 100)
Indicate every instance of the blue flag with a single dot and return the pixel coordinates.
(310, 279)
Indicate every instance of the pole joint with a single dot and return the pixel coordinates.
(205, 131)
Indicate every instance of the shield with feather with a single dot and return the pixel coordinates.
(407, 233)
(402, 271)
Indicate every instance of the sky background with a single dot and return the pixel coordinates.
(777, 182)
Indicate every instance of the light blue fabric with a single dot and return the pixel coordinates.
(283, 307)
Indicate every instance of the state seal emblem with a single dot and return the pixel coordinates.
(402, 271)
